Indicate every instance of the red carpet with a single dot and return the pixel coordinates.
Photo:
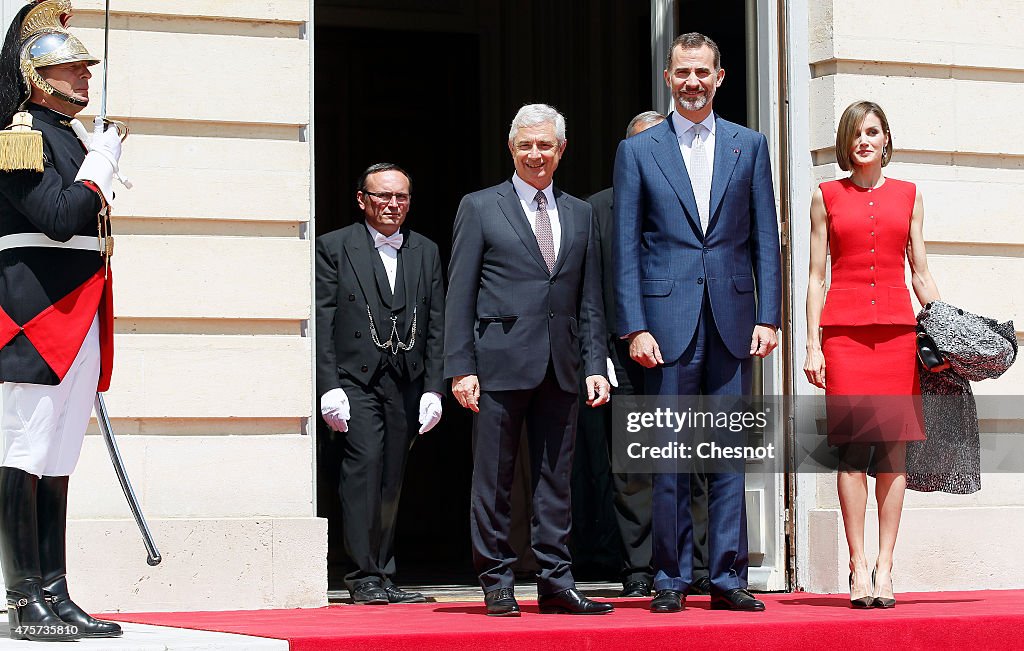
(964, 620)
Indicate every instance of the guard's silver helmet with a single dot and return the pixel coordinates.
(45, 41)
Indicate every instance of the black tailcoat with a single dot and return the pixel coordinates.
(384, 390)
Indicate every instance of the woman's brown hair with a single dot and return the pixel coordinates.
(848, 125)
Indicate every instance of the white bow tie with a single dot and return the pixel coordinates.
(394, 241)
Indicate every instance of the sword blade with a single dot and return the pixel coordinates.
(106, 57)
(153, 556)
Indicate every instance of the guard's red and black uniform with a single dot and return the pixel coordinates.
(49, 296)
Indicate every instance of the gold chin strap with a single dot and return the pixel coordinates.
(36, 80)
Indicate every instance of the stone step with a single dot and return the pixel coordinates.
(140, 637)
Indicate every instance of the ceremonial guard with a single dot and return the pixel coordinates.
(379, 334)
(56, 324)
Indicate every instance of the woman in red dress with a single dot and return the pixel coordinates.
(861, 344)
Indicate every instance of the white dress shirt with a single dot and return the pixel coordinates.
(685, 136)
(388, 256)
(527, 197)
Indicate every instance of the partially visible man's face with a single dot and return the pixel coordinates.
(693, 80)
(385, 203)
(536, 152)
(72, 79)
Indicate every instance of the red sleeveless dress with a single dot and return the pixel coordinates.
(868, 323)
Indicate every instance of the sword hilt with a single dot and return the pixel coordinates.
(99, 123)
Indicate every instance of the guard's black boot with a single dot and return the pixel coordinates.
(27, 609)
(52, 501)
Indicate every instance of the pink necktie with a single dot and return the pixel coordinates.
(543, 231)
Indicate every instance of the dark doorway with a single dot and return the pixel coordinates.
(410, 98)
(725, 23)
(433, 88)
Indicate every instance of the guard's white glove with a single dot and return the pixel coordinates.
(612, 378)
(335, 410)
(100, 164)
(430, 411)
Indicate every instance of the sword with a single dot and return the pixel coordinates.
(153, 556)
(101, 121)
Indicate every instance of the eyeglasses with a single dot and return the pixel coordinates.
(386, 197)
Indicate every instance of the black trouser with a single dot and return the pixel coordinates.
(549, 414)
(383, 424)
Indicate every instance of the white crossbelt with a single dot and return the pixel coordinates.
(22, 240)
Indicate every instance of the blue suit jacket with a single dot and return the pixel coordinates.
(506, 315)
(664, 263)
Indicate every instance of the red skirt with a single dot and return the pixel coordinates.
(872, 389)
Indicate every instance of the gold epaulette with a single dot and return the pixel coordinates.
(21, 147)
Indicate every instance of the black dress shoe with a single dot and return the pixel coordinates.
(738, 599)
(668, 601)
(700, 586)
(398, 596)
(502, 603)
(369, 593)
(571, 602)
(636, 589)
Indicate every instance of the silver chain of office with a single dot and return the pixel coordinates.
(394, 342)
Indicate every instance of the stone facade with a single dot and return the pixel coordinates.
(950, 76)
(213, 394)
(212, 391)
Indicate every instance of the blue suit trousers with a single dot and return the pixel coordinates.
(706, 367)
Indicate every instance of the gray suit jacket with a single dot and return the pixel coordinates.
(506, 315)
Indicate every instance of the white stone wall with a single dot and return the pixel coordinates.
(950, 76)
(212, 390)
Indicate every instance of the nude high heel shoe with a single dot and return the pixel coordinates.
(882, 602)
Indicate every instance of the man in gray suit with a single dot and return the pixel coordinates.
(523, 314)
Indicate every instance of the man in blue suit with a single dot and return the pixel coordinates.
(696, 234)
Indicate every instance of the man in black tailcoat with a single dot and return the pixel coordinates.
(379, 311)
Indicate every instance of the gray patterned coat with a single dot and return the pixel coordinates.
(976, 348)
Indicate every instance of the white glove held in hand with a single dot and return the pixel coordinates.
(430, 411)
(612, 378)
(335, 410)
(100, 164)
(108, 144)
